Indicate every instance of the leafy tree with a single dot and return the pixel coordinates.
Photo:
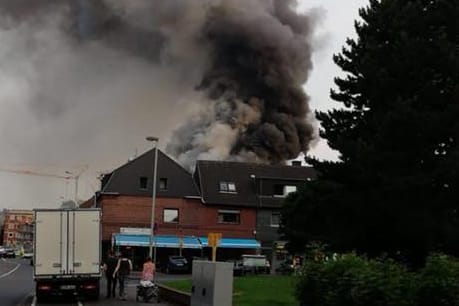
(395, 188)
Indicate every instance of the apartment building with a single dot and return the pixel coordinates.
(17, 227)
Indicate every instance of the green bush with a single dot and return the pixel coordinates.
(351, 280)
(439, 282)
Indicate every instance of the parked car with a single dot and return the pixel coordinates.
(177, 264)
(18, 252)
(27, 254)
(286, 267)
(9, 253)
(2, 250)
(238, 268)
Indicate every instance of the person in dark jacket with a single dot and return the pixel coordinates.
(109, 268)
(122, 270)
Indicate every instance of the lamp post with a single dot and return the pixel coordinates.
(152, 251)
(259, 193)
(254, 179)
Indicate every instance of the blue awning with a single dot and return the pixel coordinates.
(161, 241)
(235, 243)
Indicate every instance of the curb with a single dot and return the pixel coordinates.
(27, 300)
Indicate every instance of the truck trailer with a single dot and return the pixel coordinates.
(67, 253)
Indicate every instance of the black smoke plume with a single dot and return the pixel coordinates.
(259, 58)
(247, 61)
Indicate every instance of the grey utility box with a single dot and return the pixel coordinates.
(212, 283)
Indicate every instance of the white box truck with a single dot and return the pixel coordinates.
(255, 264)
(67, 252)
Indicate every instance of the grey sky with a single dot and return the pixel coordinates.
(43, 149)
(334, 27)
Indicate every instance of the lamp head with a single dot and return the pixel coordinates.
(152, 138)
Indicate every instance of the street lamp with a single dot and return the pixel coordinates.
(155, 141)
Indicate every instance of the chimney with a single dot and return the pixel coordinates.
(296, 163)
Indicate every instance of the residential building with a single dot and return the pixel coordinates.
(241, 201)
(18, 228)
(2, 220)
(234, 186)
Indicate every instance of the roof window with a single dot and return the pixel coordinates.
(229, 187)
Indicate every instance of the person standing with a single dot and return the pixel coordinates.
(109, 268)
(149, 270)
(122, 270)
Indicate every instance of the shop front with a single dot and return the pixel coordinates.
(138, 245)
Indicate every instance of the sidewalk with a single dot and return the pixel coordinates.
(131, 289)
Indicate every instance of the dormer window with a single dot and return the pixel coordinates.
(229, 187)
(143, 183)
(281, 190)
(289, 189)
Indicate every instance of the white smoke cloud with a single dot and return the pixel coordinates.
(65, 103)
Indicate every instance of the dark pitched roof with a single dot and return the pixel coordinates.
(126, 179)
(249, 179)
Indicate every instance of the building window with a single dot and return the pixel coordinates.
(289, 189)
(281, 190)
(143, 182)
(170, 215)
(275, 219)
(229, 216)
(278, 190)
(10, 235)
(228, 187)
(163, 183)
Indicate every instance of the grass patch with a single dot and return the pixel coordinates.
(255, 290)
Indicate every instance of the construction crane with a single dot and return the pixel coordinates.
(35, 173)
(70, 175)
(76, 177)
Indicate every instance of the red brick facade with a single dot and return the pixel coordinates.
(195, 219)
(14, 233)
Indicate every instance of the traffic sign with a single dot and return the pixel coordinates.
(213, 239)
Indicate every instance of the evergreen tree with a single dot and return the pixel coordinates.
(395, 188)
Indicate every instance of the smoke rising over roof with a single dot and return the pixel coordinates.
(94, 76)
(258, 59)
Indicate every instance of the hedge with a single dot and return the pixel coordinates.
(352, 280)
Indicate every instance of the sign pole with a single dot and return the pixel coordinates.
(214, 253)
